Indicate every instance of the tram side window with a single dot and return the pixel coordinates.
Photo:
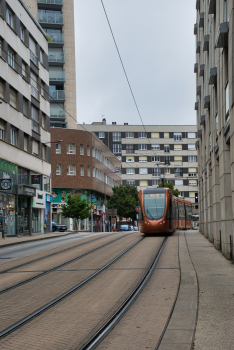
(169, 210)
(140, 212)
(181, 211)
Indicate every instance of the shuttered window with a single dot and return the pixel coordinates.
(144, 183)
(178, 160)
(192, 170)
(129, 159)
(2, 89)
(13, 97)
(35, 147)
(143, 159)
(177, 147)
(166, 135)
(154, 135)
(193, 182)
(192, 194)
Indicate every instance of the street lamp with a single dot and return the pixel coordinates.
(110, 172)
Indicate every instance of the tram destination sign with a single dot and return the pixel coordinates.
(5, 184)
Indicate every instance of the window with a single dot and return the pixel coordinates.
(13, 97)
(191, 135)
(25, 107)
(58, 169)
(167, 171)
(22, 32)
(35, 148)
(192, 158)
(143, 171)
(192, 182)
(129, 135)
(24, 74)
(155, 159)
(58, 148)
(178, 160)
(155, 147)
(166, 135)
(26, 139)
(167, 160)
(88, 170)
(181, 194)
(192, 172)
(142, 135)
(179, 172)
(117, 148)
(71, 169)
(33, 50)
(116, 136)
(2, 89)
(71, 148)
(155, 135)
(192, 194)
(155, 182)
(142, 147)
(82, 170)
(166, 149)
(143, 183)
(2, 130)
(44, 152)
(177, 136)
(119, 158)
(43, 92)
(191, 147)
(82, 150)
(129, 159)
(88, 150)
(94, 172)
(101, 135)
(10, 18)
(156, 172)
(130, 171)
(177, 147)
(179, 182)
(93, 152)
(43, 122)
(130, 182)
(142, 159)
(129, 148)
(35, 119)
(42, 56)
(11, 58)
(34, 87)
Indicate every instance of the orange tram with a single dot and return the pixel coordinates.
(161, 212)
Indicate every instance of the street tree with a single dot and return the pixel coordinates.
(76, 209)
(169, 185)
(124, 199)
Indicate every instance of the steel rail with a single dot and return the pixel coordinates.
(52, 254)
(52, 303)
(98, 337)
(59, 266)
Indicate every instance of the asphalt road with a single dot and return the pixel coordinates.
(19, 250)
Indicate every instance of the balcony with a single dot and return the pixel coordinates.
(198, 47)
(206, 42)
(199, 133)
(51, 19)
(197, 4)
(57, 58)
(201, 20)
(199, 90)
(221, 39)
(203, 120)
(57, 39)
(57, 76)
(58, 95)
(33, 58)
(207, 101)
(195, 28)
(195, 67)
(212, 7)
(202, 70)
(52, 4)
(196, 106)
(58, 114)
(213, 76)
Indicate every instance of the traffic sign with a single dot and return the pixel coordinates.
(137, 208)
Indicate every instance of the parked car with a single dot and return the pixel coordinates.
(135, 228)
(125, 228)
(58, 227)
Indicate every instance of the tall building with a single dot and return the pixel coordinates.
(25, 198)
(57, 20)
(152, 153)
(82, 164)
(214, 105)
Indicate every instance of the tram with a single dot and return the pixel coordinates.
(161, 212)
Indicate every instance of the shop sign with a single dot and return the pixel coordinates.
(26, 191)
(9, 171)
(5, 184)
(39, 200)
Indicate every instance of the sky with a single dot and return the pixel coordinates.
(157, 46)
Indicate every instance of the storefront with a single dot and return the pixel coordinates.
(38, 208)
(25, 195)
(47, 213)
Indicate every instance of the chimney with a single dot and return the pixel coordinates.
(104, 121)
(113, 123)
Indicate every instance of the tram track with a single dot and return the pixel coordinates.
(57, 267)
(55, 301)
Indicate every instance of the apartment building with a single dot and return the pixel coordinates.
(152, 153)
(25, 198)
(82, 164)
(214, 105)
(57, 20)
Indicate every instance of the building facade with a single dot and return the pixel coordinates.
(153, 152)
(214, 105)
(25, 199)
(82, 164)
(57, 20)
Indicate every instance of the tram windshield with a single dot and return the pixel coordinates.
(154, 205)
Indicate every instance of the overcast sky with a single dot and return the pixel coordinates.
(156, 42)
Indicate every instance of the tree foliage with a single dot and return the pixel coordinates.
(76, 209)
(169, 185)
(124, 199)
